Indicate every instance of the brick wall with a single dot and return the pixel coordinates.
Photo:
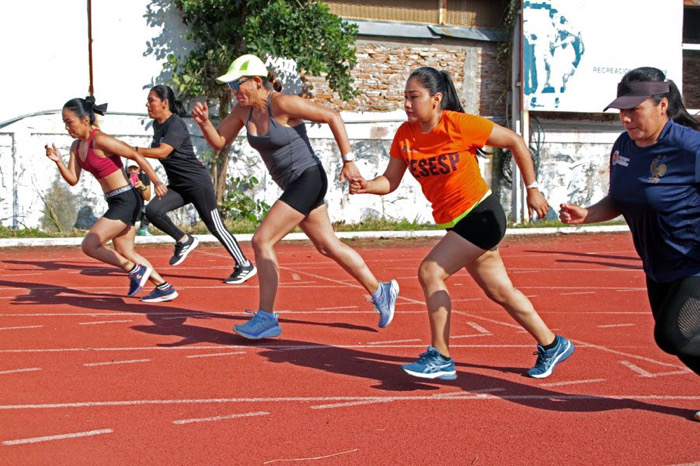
(383, 66)
(691, 83)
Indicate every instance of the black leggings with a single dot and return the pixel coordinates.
(676, 310)
(204, 200)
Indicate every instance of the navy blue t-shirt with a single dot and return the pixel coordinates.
(657, 190)
(184, 170)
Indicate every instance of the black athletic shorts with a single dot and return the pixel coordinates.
(308, 191)
(485, 225)
(124, 206)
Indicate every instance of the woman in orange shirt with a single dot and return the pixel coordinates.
(438, 146)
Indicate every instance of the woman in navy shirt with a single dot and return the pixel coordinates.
(655, 185)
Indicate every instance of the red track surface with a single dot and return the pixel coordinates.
(88, 376)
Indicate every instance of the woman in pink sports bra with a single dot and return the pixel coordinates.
(100, 154)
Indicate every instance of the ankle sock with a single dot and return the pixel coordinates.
(552, 344)
(163, 286)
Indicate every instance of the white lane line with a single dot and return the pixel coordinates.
(644, 373)
(471, 336)
(260, 347)
(393, 341)
(20, 328)
(105, 322)
(571, 382)
(93, 364)
(335, 308)
(56, 437)
(479, 393)
(577, 293)
(313, 457)
(214, 354)
(14, 371)
(616, 325)
(636, 368)
(220, 418)
(350, 399)
(351, 403)
(579, 343)
(478, 328)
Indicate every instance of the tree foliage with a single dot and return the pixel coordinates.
(221, 30)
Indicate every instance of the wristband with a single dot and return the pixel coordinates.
(533, 185)
(349, 157)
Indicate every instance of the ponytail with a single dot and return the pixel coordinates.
(174, 105)
(271, 82)
(676, 108)
(86, 107)
(439, 81)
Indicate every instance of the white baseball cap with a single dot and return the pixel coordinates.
(245, 65)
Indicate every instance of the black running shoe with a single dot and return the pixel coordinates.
(241, 273)
(182, 249)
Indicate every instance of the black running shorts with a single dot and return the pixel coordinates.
(124, 206)
(485, 225)
(308, 191)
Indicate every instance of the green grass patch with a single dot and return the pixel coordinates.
(249, 227)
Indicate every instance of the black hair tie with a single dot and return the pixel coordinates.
(99, 109)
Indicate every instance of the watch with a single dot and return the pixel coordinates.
(349, 157)
(533, 185)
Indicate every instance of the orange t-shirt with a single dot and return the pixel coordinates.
(444, 161)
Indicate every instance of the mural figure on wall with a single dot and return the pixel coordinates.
(552, 51)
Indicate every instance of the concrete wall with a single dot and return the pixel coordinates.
(573, 166)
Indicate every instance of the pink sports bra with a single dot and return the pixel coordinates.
(98, 166)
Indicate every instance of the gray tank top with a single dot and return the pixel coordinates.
(286, 151)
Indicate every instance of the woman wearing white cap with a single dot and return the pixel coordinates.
(275, 127)
(655, 185)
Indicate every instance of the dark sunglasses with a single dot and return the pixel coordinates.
(236, 85)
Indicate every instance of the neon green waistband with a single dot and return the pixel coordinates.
(456, 220)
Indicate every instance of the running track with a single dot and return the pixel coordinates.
(89, 376)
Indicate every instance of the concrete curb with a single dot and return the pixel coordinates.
(159, 239)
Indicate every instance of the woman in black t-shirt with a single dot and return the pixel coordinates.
(188, 183)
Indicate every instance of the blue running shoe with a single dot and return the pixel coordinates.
(385, 303)
(430, 365)
(547, 360)
(159, 295)
(138, 277)
(261, 325)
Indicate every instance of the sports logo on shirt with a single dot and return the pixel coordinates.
(618, 159)
(657, 170)
(438, 165)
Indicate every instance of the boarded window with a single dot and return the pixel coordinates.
(466, 13)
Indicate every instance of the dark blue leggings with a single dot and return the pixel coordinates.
(676, 310)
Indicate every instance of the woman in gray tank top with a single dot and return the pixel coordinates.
(275, 127)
